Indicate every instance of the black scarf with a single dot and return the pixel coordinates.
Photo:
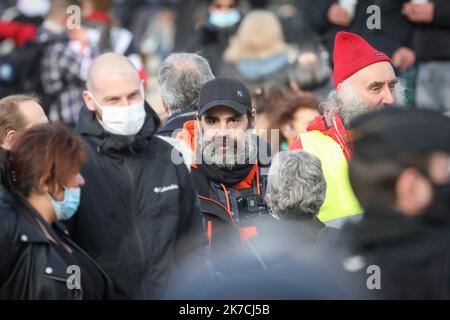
(228, 177)
(239, 172)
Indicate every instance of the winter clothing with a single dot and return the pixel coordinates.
(138, 214)
(351, 54)
(327, 139)
(34, 267)
(221, 193)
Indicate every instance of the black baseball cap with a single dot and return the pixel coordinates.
(393, 131)
(224, 91)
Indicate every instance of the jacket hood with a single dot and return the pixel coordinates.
(259, 69)
(90, 129)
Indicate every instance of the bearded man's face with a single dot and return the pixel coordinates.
(225, 140)
(371, 88)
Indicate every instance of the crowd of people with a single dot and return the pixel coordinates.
(291, 152)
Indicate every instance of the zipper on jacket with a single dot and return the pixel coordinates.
(133, 211)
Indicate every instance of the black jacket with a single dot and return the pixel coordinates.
(176, 121)
(432, 41)
(396, 30)
(31, 268)
(228, 230)
(2, 158)
(413, 254)
(138, 215)
(212, 43)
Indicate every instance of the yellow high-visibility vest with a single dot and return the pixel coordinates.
(340, 201)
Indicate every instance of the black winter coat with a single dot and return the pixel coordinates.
(413, 255)
(432, 40)
(31, 268)
(138, 215)
(396, 30)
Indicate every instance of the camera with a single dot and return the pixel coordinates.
(253, 204)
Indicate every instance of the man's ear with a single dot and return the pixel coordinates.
(253, 118)
(90, 104)
(9, 139)
(414, 192)
(164, 105)
(339, 87)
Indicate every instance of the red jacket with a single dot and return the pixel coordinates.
(19, 32)
(333, 127)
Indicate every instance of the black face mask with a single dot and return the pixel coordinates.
(439, 210)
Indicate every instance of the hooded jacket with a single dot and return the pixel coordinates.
(138, 215)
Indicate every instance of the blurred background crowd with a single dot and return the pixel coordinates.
(282, 50)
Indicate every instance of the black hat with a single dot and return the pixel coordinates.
(392, 131)
(224, 91)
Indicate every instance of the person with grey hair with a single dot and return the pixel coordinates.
(296, 185)
(310, 73)
(180, 78)
(296, 190)
(364, 81)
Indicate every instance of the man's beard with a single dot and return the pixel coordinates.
(350, 105)
(238, 151)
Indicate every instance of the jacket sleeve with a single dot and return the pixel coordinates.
(318, 16)
(441, 13)
(7, 247)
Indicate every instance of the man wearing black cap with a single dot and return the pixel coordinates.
(400, 174)
(230, 165)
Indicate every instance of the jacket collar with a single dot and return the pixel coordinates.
(105, 142)
(176, 120)
(333, 126)
(381, 224)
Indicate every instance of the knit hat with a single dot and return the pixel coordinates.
(351, 54)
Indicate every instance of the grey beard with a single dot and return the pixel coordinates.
(237, 153)
(350, 106)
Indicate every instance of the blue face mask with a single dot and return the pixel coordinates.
(224, 19)
(66, 208)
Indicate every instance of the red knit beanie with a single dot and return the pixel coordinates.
(351, 54)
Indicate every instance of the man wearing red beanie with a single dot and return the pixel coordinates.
(364, 80)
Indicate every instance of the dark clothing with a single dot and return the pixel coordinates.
(212, 43)
(431, 40)
(288, 234)
(2, 158)
(396, 30)
(138, 214)
(176, 121)
(34, 267)
(413, 254)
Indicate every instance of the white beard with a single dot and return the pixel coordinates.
(349, 105)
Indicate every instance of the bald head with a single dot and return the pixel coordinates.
(107, 66)
(112, 80)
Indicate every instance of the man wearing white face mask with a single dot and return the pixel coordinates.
(138, 215)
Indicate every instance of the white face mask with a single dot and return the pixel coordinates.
(124, 121)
